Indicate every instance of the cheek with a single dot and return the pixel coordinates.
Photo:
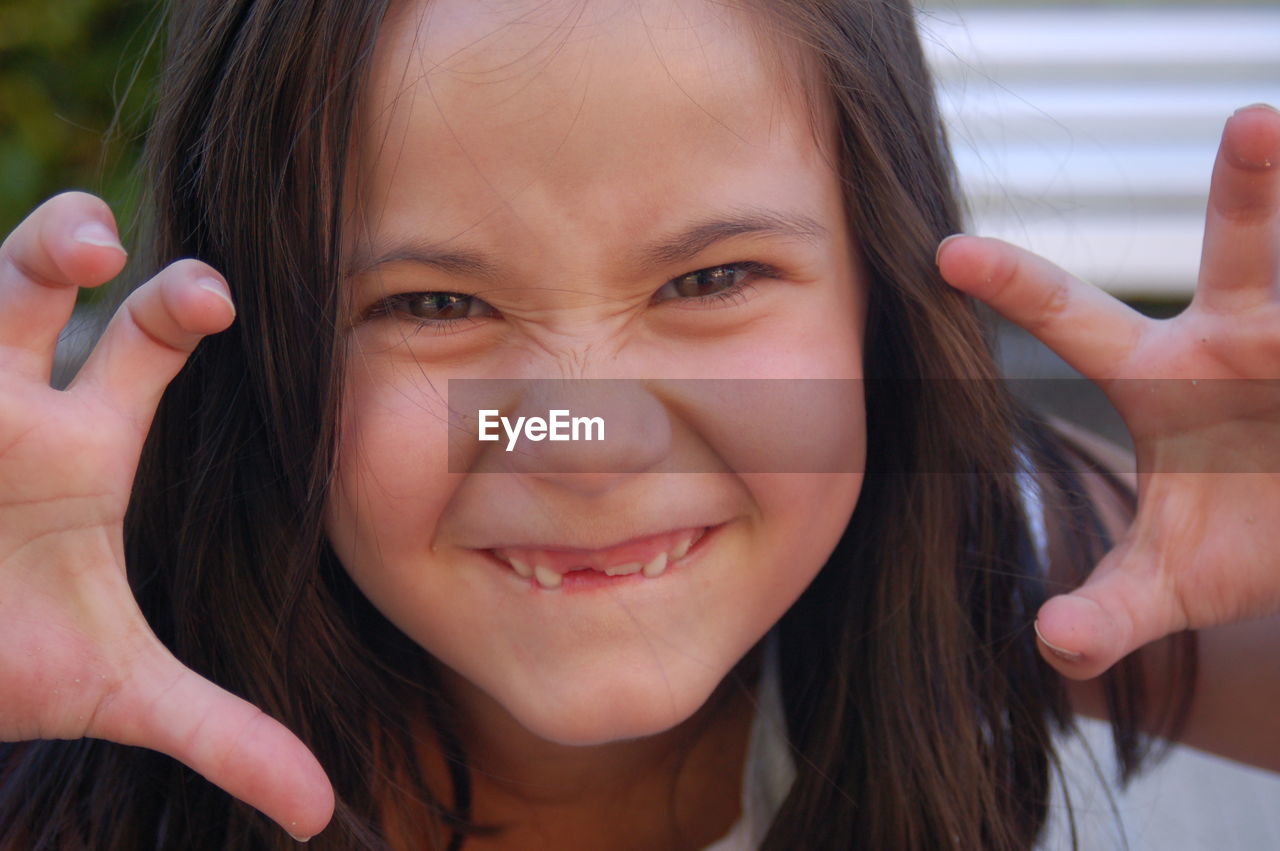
(391, 483)
(807, 512)
(803, 514)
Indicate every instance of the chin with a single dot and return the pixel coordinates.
(602, 712)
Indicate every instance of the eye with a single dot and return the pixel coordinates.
(434, 310)
(714, 283)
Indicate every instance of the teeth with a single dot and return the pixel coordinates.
(656, 566)
(550, 579)
(547, 577)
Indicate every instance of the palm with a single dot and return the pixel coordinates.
(76, 655)
(1200, 395)
(63, 489)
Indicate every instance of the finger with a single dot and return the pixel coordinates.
(1086, 327)
(152, 334)
(1084, 633)
(1241, 257)
(68, 242)
(168, 708)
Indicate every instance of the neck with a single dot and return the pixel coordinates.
(676, 789)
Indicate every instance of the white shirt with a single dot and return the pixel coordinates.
(1190, 800)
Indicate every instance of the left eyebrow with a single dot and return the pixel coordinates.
(693, 240)
(678, 247)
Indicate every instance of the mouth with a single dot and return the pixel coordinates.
(641, 558)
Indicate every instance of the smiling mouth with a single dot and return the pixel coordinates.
(649, 557)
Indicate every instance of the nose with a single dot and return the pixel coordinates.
(580, 434)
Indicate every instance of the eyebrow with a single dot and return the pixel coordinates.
(668, 250)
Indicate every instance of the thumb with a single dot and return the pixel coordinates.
(167, 707)
(1118, 610)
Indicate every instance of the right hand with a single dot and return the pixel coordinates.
(76, 655)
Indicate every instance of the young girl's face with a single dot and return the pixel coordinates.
(519, 163)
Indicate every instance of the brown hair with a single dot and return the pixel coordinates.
(919, 711)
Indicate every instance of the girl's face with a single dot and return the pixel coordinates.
(520, 165)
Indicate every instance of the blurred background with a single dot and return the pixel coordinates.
(1085, 131)
(1082, 130)
(76, 77)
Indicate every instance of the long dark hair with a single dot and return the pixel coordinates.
(919, 712)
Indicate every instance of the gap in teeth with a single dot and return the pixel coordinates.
(655, 567)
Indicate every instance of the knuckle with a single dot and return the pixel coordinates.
(19, 263)
(157, 327)
(75, 202)
(1248, 212)
(1053, 304)
(189, 268)
(238, 747)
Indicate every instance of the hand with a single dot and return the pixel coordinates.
(76, 656)
(1200, 395)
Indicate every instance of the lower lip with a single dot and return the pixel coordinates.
(581, 581)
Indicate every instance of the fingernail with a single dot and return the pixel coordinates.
(938, 253)
(1061, 653)
(1254, 155)
(1258, 105)
(299, 838)
(218, 288)
(96, 233)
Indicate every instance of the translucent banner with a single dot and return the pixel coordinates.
(702, 425)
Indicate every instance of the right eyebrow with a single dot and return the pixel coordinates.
(460, 262)
(681, 246)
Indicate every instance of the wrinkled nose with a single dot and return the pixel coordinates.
(580, 434)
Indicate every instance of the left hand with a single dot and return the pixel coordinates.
(1200, 395)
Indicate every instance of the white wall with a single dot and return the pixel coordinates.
(1088, 133)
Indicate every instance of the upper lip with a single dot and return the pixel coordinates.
(586, 547)
(639, 549)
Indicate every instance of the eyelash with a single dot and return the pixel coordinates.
(397, 304)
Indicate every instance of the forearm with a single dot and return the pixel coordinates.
(1235, 707)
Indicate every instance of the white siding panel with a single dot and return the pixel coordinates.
(1088, 134)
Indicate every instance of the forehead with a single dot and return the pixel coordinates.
(585, 115)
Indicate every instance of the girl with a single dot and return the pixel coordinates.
(413, 655)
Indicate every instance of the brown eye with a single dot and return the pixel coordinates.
(440, 305)
(705, 282)
(713, 283)
(432, 307)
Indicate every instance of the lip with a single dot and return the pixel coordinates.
(563, 560)
(579, 579)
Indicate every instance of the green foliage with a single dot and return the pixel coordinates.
(76, 81)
